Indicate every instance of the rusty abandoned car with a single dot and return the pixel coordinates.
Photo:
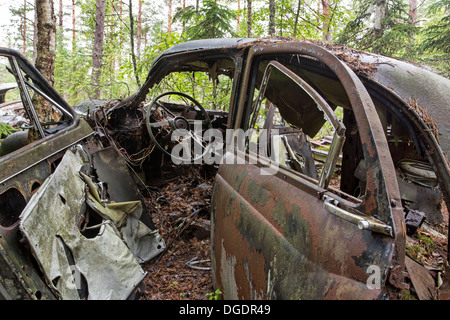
(289, 220)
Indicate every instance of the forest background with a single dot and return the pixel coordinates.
(103, 49)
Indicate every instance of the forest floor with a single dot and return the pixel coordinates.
(181, 212)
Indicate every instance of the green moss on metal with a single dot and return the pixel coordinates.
(257, 193)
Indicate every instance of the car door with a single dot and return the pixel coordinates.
(26, 160)
(278, 230)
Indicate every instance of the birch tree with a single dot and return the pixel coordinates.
(381, 26)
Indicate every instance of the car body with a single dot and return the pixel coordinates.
(291, 234)
(281, 226)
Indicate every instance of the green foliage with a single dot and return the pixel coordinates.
(437, 35)
(6, 130)
(74, 60)
(200, 86)
(327, 128)
(395, 33)
(211, 20)
(214, 295)
(19, 14)
(427, 41)
(434, 46)
(299, 19)
(352, 24)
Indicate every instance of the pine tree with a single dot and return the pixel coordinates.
(438, 34)
(211, 20)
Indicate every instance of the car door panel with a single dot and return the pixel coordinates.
(288, 236)
(276, 235)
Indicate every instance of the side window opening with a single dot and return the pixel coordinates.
(316, 157)
(27, 113)
(184, 100)
(321, 144)
(212, 92)
(276, 106)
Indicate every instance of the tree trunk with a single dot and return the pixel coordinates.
(35, 36)
(183, 22)
(74, 47)
(133, 56)
(24, 27)
(73, 26)
(296, 17)
(97, 50)
(282, 13)
(60, 14)
(238, 16)
(378, 27)
(46, 46)
(271, 17)
(413, 11)
(120, 33)
(249, 18)
(169, 19)
(326, 20)
(139, 31)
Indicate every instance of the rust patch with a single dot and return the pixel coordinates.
(236, 266)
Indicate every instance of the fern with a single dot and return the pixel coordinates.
(6, 130)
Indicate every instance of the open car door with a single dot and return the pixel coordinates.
(280, 229)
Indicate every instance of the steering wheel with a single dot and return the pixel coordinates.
(169, 129)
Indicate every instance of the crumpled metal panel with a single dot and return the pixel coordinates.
(50, 224)
(143, 242)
